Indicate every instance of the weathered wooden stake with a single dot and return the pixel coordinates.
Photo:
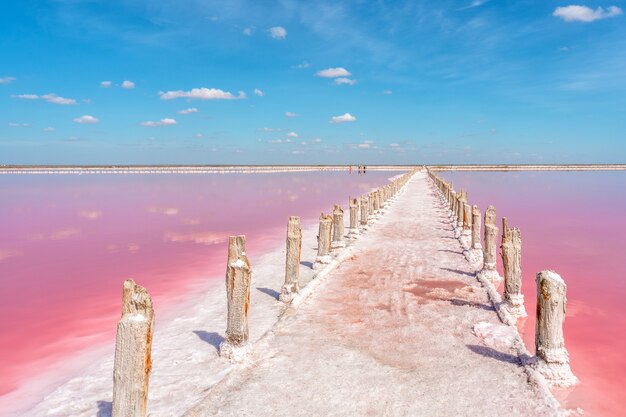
(338, 228)
(460, 206)
(363, 212)
(292, 264)
(133, 350)
(353, 231)
(476, 228)
(549, 342)
(489, 270)
(238, 277)
(323, 241)
(512, 258)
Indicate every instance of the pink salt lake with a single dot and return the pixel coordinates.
(575, 224)
(69, 241)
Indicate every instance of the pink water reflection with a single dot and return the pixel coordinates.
(574, 223)
(68, 242)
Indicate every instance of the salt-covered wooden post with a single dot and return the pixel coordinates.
(370, 205)
(363, 212)
(476, 228)
(338, 228)
(489, 270)
(238, 277)
(474, 252)
(376, 201)
(512, 258)
(553, 358)
(133, 352)
(323, 241)
(292, 264)
(460, 206)
(353, 231)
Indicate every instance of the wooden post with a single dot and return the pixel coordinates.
(238, 277)
(338, 228)
(549, 342)
(376, 202)
(476, 228)
(363, 212)
(323, 241)
(292, 264)
(512, 258)
(353, 232)
(133, 352)
(489, 270)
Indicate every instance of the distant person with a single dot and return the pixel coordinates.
(364, 169)
(350, 169)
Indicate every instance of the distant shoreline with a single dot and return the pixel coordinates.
(217, 169)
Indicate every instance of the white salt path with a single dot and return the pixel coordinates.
(400, 328)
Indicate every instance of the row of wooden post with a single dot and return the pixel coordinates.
(551, 354)
(133, 345)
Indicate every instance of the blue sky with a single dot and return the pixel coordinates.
(242, 81)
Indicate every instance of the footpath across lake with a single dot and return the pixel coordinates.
(400, 328)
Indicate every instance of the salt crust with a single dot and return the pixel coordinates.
(534, 367)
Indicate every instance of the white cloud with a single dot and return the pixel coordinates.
(302, 65)
(13, 124)
(292, 135)
(297, 152)
(106, 84)
(387, 92)
(575, 13)
(333, 73)
(162, 122)
(316, 140)
(278, 32)
(248, 31)
(290, 114)
(188, 111)
(394, 145)
(259, 92)
(49, 129)
(475, 3)
(50, 98)
(26, 96)
(269, 129)
(128, 84)
(346, 117)
(53, 98)
(202, 94)
(279, 141)
(86, 119)
(6, 80)
(364, 145)
(199, 135)
(344, 80)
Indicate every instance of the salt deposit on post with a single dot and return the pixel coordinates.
(363, 213)
(474, 254)
(466, 233)
(512, 258)
(353, 232)
(338, 241)
(476, 228)
(133, 348)
(323, 241)
(238, 276)
(489, 270)
(553, 359)
(292, 264)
